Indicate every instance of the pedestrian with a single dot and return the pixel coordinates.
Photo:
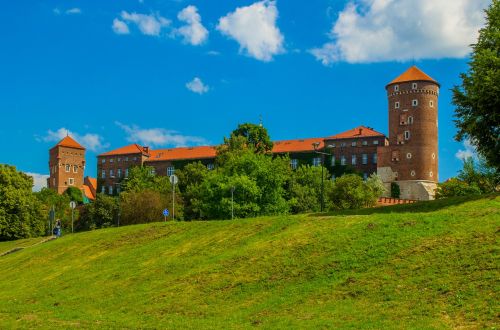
(57, 229)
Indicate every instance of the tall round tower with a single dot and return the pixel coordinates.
(413, 135)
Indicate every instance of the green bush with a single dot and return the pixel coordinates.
(455, 187)
(395, 190)
(351, 192)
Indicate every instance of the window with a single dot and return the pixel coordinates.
(134, 159)
(103, 189)
(126, 172)
(111, 190)
(365, 176)
(396, 88)
(365, 143)
(210, 166)
(375, 143)
(333, 160)
(68, 167)
(118, 189)
(332, 145)
(119, 159)
(170, 170)
(111, 174)
(396, 105)
(294, 163)
(431, 104)
(433, 156)
(395, 156)
(126, 159)
(414, 86)
(431, 174)
(111, 160)
(103, 161)
(342, 144)
(342, 160)
(364, 159)
(408, 155)
(153, 171)
(412, 173)
(75, 168)
(375, 158)
(316, 161)
(414, 103)
(353, 143)
(119, 172)
(407, 135)
(71, 181)
(353, 159)
(103, 174)
(410, 120)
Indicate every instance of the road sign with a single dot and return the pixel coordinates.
(165, 212)
(174, 179)
(72, 204)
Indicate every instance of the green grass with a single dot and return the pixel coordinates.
(431, 265)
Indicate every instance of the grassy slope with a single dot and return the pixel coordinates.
(433, 267)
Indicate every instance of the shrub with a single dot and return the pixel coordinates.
(455, 187)
(395, 190)
(351, 192)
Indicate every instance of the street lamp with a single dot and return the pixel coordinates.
(315, 146)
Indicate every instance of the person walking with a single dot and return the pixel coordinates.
(57, 228)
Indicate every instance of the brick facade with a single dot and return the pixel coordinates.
(66, 165)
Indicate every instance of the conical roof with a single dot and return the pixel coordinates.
(69, 142)
(413, 74)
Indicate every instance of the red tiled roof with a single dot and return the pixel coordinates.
(130, 149)
(358, 132)
(88, 192)
(297, 145)
(412, 74)
(69, 142)
(182, 153)
(93, 182)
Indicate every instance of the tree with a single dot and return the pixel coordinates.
(190, 180)
(479, 175)
(51, 199)
(456, 187)
(146, 206)
(305, 188)
(478, 98)
(246, 137)
(103, 212)
(21, 213)
(74, 194)
(351, 192)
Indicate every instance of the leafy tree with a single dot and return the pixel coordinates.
(21, 213)
(478, 98)
(395, 190)
(245, 137)
(480, 175)
(305, 188)
(375, 184)
(74, 194)
(51, 199)
(103, 212)
(146, 206)
(456, 187)
(351, 192)
(190, 179)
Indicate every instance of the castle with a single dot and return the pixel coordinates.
(408, 157)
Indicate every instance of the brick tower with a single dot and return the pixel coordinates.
(66, 165)
(411, 159)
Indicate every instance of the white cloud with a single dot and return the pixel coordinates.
(388, 30)
(254, 28)
(120, 27)
(56, 11)
(159, 136)
(193, 32)
(39, 180)
(150, 25)
(469, 151)
(213, 53)
(73, 11)
(197, 86)
(91, 141)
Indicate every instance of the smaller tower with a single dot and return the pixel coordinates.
(66, 165)
(411, 159)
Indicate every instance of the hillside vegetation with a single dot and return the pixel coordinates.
(429, 265)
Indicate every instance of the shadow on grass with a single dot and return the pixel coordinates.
(424, 206)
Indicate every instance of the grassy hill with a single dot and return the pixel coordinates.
(424, 266)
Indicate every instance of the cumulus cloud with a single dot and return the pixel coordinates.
(193, 32)
(91, 141)
(159, 136)
(254, 28)
(469, 151)
(150, 25)
(388, 30)
(39, 180)
(73, 11)
(120, 27)
(197, 86)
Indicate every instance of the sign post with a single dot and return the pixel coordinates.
(173, 180)
(72, 204)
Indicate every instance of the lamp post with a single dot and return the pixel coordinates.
(315, 146)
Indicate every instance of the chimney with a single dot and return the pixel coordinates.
(146, 150)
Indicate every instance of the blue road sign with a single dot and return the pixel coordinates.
(165, 212)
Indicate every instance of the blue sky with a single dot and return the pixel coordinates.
(167, 73)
